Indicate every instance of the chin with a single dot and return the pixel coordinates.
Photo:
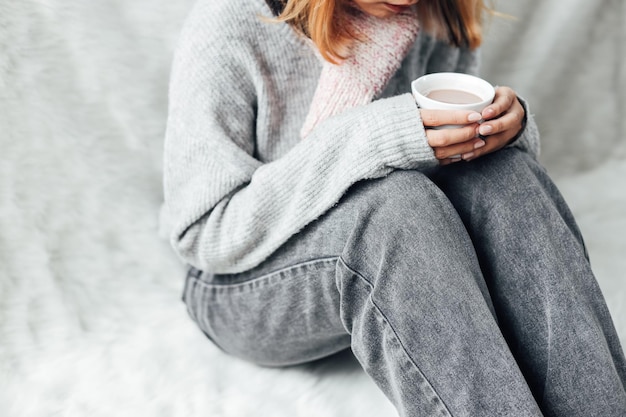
(382, 14)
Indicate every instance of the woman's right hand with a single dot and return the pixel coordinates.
(452, 144)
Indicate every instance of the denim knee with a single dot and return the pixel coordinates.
(401, 200)
(500, 184)
(407, 218)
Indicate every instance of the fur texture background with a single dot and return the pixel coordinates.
(91, 322)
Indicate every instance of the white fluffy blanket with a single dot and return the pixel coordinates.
(90, 318)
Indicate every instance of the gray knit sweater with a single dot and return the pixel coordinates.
(238, 180)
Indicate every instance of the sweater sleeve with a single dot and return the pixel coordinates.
(227, 210)
(528, 139)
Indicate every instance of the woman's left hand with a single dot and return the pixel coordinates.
(503, 121)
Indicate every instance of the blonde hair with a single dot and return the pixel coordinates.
(459, 22)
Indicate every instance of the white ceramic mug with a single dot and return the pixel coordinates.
(425, 85)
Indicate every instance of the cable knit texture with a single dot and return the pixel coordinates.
(238, 178)
(367, 70)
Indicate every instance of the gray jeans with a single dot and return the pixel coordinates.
(466, 292)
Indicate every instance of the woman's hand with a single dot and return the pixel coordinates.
(502, 121)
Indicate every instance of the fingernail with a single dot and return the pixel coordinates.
(479, 144)
(485, 129)
(468, 155)
(474, 117)
(489, 112)
(457, 156)
(455, 159)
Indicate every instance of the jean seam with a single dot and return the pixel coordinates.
(265, 277)
(393, 332)
(545, 383)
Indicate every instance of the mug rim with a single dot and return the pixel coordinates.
(485, 90)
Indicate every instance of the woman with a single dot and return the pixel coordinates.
(319, 209)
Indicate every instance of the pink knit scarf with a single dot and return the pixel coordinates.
(371, 63)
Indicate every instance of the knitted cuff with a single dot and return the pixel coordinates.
(527, 138)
